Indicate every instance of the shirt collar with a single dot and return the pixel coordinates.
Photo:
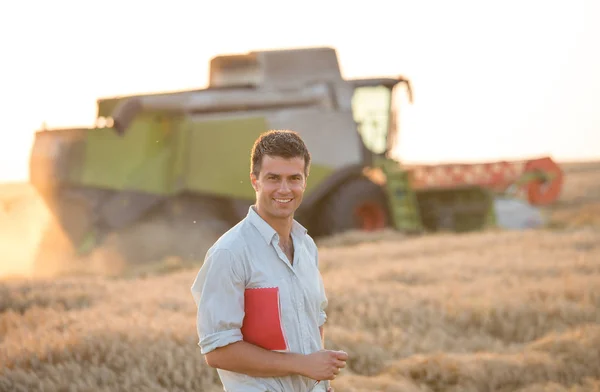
(266, 231)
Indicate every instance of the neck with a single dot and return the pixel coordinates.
(283, 226)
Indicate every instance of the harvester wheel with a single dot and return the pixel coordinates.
(358, 204)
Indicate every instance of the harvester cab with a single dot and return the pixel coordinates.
(161, 172)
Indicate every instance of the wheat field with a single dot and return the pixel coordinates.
(487, 311)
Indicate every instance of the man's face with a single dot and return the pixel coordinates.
(280, 186)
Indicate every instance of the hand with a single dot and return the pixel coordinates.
(324, 364)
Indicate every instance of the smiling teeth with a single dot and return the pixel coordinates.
(283, 200)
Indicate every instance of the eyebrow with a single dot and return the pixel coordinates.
(279, 175)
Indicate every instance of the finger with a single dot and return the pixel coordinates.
(340, 364)
(342, 355)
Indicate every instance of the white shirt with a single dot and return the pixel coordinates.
(248, 256)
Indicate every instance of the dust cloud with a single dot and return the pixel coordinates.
(22, 219)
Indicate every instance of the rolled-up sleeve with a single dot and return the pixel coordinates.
(218, 292)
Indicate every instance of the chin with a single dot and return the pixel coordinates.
(282, 211)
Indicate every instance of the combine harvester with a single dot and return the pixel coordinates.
(165, 174)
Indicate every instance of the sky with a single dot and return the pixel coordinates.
(491, 80)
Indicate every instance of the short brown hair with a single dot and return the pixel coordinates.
(278, 143)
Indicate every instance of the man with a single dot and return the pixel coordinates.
(268, 248)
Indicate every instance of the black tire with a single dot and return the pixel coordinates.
(340, 210)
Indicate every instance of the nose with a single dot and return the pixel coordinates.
(284, 186)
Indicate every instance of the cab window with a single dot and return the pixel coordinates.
(371, 108)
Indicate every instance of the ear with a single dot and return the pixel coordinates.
(253, 181)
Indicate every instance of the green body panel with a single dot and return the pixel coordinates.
(75, 167)
(140, 160)
(218, 156)
(166, 155)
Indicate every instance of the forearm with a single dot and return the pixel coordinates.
(246, 358)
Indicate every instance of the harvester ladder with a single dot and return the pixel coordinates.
(403, 204)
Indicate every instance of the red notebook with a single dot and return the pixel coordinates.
(262, 324)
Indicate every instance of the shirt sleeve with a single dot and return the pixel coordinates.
(218, 292)
(322, 311)
(323, 302)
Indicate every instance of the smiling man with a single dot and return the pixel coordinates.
(267, 252)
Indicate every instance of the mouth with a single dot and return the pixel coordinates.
(282, 201)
